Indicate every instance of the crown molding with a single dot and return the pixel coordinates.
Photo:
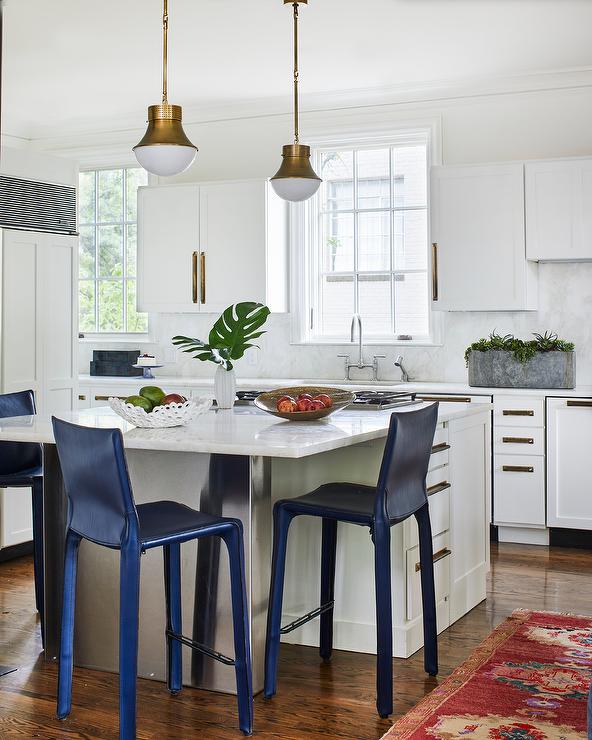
(78, 140)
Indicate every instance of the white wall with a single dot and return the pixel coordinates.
(488, 128)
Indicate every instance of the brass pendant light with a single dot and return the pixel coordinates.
(296, 180)
(165, 149)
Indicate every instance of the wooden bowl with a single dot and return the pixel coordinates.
(268, 402)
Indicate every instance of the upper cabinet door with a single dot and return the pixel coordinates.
(559, 210)
(168, 249)
(233, 243)
(477, 230)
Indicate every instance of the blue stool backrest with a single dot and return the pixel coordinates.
(16, 457)
(97, 482)
(402, 481)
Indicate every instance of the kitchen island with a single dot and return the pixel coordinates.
(236, 463)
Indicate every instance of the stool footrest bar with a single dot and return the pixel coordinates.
(200, 648)
(307, 617)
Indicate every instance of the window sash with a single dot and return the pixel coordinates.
(124, 279)
(314, 263)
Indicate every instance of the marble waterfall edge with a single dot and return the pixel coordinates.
(500, 369)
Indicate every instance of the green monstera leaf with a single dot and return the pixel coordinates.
(230, 337)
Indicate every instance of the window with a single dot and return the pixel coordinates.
(366, 238)
(107, 218)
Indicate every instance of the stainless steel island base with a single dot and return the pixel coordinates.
(228, 485)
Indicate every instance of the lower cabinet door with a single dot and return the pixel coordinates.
(569, 436)
(439, 517)
(441, 575)
(519, 490)
(16, 517)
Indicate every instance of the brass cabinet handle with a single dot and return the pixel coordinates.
(440, 447)
(194, 276)
(440, 555)
(518, 412)
(518, 440)
(82, 398)
(437, 487)
(202, 273)
(446, 399)
(434, 271)
(106, 398)
(517, 468)
(582, 404)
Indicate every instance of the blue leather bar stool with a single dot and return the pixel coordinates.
(102, 510)
(400, 493)
(21, 466)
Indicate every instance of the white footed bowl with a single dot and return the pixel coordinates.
(171, 415)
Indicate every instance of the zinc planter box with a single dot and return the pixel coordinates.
(500, 369)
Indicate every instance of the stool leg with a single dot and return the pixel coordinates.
(428, 594)
(281, 524)
(384, 620)
(37, 502)
(129, 597)
(172, 587)
(328, 554)
(67, 636)
(233, 538)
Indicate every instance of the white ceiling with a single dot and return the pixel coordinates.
(77, 65)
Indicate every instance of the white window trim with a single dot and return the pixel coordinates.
(300, 303)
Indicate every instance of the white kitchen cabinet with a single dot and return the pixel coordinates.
(40, 317)
(16, 517)
(569, 431)
(478, 239)
(559, 210)
(203, 247)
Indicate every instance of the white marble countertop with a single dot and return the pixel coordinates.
(241, 431)
(175, 381)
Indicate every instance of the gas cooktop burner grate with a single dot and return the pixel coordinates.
(383, 399)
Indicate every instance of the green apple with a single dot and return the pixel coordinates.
(153, 393)
(140, 401)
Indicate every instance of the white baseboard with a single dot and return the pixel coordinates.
(523, 535)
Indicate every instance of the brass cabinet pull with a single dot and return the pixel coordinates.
(194, 276)
(581, 404)
(202, 273)
(106, 398)
(440, 555)
(517, 468)
(518, 440)
(518, 412)
(446, 399)
(82, 398)
(434, 271)
(437, 487)
(440, 447)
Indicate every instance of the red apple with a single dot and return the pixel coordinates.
(303, 396)
(284, 398)
(326, 400)
(287, 405)
(317, 404)
(304, 404)
(172, 398)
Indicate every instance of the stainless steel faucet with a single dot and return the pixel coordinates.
(404, 373)
(360, 364)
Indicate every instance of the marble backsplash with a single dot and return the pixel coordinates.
(565, 306)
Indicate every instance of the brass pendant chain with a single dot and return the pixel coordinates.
(165, 28)
(296, 133)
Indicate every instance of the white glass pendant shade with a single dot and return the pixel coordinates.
(165, 159)
(295, 189)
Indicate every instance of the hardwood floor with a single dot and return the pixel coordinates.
(314, 701)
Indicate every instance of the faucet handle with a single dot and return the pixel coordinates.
(346, 357)
(379, 357)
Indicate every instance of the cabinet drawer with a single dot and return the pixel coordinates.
(518, 411)
(523, 441)
(439, 518)
(519, 490)
(442, 554)
(437, 478)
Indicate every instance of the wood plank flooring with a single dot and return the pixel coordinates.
(314, 701)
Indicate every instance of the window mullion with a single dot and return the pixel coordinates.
(124, 247)
(356, 229)
(96, 235)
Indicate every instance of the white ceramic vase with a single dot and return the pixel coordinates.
(224, 387)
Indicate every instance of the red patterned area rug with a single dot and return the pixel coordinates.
(528, 680)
